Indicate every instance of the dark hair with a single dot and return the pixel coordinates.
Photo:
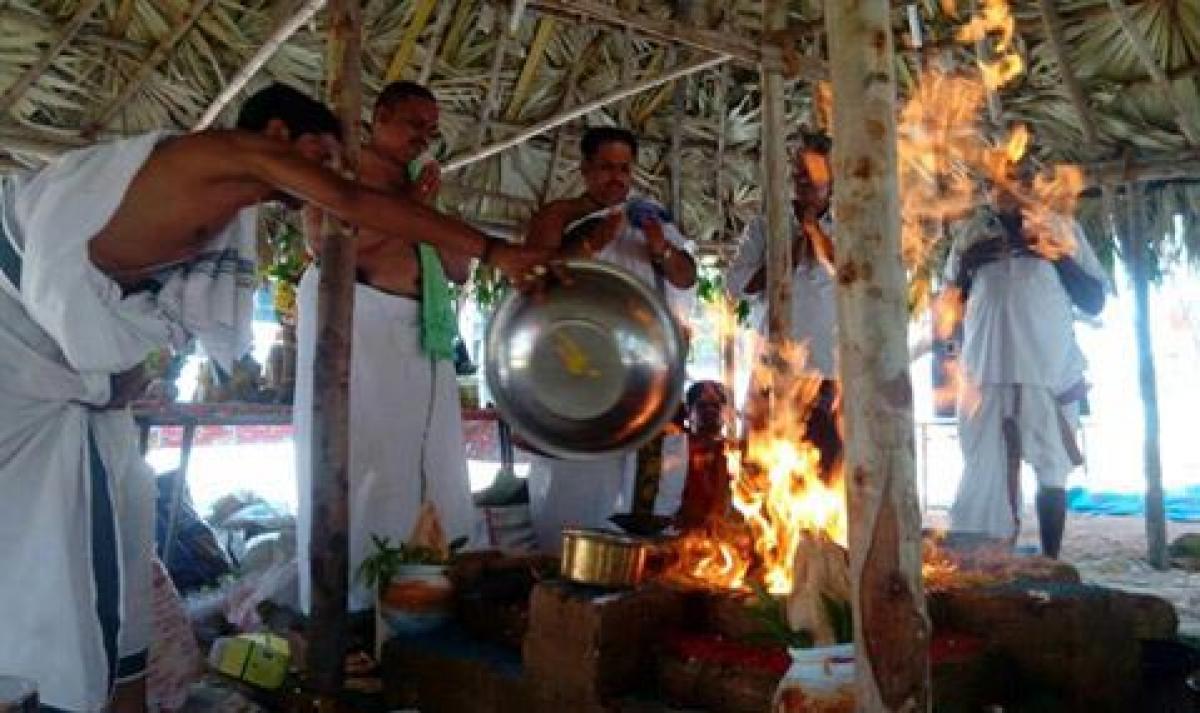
(299, 112)
(396, 92)
(816, 141)
(597, 136)
(696, 389)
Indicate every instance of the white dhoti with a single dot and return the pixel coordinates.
(76, 499)
(406, 435)
(983, 503)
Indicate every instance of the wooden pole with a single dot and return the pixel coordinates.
(270, 46)
(1134, 244)
(329, 547)
(566, 115)
(775, 193)
(18, 88)
(891, 628)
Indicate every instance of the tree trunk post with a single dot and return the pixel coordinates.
(891, 628)
(1134, 244)
(775, 183)
(329, 547)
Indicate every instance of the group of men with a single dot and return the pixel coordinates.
(117, 249)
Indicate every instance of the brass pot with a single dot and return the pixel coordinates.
(603, 559)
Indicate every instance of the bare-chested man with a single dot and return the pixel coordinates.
(406, 438)
(106, 254)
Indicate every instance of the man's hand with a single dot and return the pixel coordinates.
(656, 239)
(428, 183)
(523, 266)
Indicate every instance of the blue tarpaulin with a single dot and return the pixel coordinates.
(1183, 504)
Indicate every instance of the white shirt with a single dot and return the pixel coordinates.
(1019, 322)
(814, 307)
(628, 250)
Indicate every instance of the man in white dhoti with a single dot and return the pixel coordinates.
(813, 306)
(108, 253)
(606, 223)
(406, 436)
(1022, 368)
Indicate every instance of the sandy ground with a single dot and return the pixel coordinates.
(1111, 551)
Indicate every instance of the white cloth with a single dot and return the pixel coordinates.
(62, 334)
(982, 502)
(210, 296)
(1018, 327)
(565, 493)
(628, 250)
(405, 418)
(814, 297)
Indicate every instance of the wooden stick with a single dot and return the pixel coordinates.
(330, 446)
(745, 50)
(160, 53)
(1142, 49)
(18, 88)
(776, 193)
(563, 117)
(891, 628)
(270, 46)
(1136, 250)
(534, 58)
(1054, 35)
(422, 9)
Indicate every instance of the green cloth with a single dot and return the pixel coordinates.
(439, 324)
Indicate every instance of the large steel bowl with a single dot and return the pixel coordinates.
(587, 369)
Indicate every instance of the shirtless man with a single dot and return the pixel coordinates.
(79, 241)
(406, 443)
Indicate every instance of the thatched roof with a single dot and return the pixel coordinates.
(137, 64)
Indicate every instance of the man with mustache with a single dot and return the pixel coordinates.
(406, 442)
(814, 314)
(107, 254)
(607, 223)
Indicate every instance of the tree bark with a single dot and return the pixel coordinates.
(775, 182)
(1134, 244)
(329, 547)
(891, 627)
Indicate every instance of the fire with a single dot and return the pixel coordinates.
(777, 490)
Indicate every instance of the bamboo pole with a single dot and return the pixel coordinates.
(18, 88)
(421, 11)
(891, 628)
(1054, 36)
(775, 192)
(157, 57)
(1134, 244)
(744, 50)
(288, 27)
(329, 546)
(566, 115)
(1142, 49)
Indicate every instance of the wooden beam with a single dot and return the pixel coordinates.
(744, 50)
(18, 88)
(533, 60)
(576, 112)
(160, 53)
(1054, 36)
(1142, 49)
(422, 9)
(330, 446)
(270, 46)
(445, 11)
(891, 628)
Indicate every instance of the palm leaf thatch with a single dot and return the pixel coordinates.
(454, 46)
